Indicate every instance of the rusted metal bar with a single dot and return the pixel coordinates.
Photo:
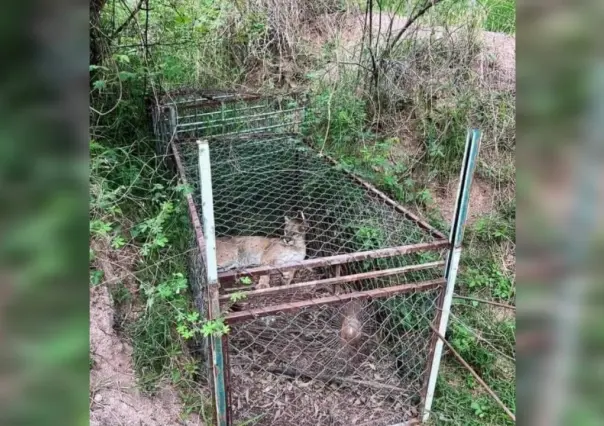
(488, 302)
(211, 123)
(221, 111)
(277, 137)
(238, 132)
(240, 316)
(338, 280)
(334, 260)
(202, 103)
(422, 223)
(201, 242)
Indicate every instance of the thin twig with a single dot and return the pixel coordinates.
(328, 120)
(473, 299)
(128, 19)
(476, 376)
(410, 21)
(482, 339)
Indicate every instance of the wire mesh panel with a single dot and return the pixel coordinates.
(329, 287)
(188, 114)
(297, 369)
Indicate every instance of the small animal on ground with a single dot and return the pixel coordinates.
(351, 330)
(250, 251)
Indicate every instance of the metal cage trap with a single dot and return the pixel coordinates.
(332, 291)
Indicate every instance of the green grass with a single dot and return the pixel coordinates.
(501, 15)
(136, 203)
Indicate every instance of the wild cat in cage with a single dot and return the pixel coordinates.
(250, 251)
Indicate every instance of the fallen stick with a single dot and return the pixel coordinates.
(476, 376)
(473, 299)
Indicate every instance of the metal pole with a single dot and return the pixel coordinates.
(172, 120)
(455, 239)
(207, 205)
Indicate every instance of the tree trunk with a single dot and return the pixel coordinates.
(96, 36)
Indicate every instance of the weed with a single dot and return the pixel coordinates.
(96, 277)
(335, 120)
(237, 296)
(245, 280)
(491, 278)
(120, 294)
(501, 15)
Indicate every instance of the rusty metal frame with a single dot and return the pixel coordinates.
(331, 282)
(441, 242)
(379, 293)
(339, 259)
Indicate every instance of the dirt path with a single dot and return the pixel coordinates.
(114, 396)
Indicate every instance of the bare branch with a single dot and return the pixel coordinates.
(473, 299)
(410, 21)
(128, 19)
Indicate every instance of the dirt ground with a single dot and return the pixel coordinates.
(115, 399)
(482, 199)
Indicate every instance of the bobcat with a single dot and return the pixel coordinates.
(250, 251)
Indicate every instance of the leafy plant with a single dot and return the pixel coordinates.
(245, 280)
(215, 327)
(237, 296)
(153, 229)
(492, 278)
(96, 276)
(480, 410)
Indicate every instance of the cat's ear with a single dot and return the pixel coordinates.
(287, 219)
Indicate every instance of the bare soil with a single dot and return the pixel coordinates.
(115, 398)
(482, 199)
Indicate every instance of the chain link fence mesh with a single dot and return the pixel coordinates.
(323, 335)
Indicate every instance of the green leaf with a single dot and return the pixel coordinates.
(235, 297)
(99, 84)
(97, 67)
(125, 75)
(185, 189)
(125, 59)
(193, 317)
(118, 242)
(96, 276)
